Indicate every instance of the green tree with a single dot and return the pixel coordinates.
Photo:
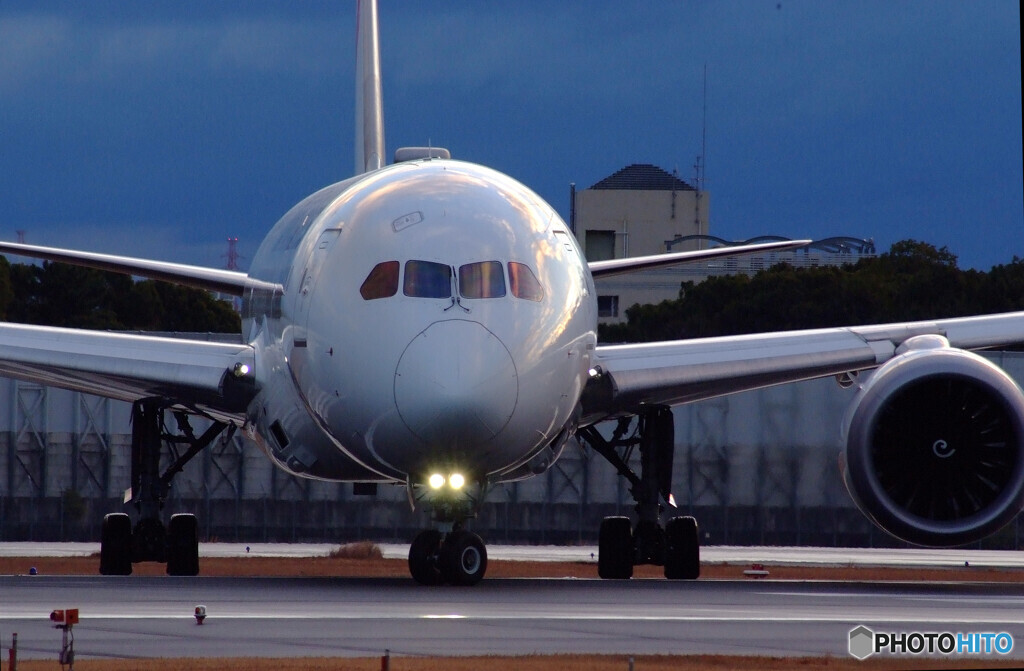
(6, 289)
(57, 294)
(912, 281)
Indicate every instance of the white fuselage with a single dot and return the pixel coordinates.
(436, 315)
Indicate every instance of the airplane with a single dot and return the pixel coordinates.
(432, 323)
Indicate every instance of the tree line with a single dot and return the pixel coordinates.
(58, 294)
(912, 281)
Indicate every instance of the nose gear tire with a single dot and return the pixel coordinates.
(423, 557)
(463, 559)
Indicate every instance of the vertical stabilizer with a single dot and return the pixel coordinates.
(369, 99)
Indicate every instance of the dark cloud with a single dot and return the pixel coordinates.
(192, 122)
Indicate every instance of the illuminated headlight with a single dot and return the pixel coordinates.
(436, 481)
(456, 480)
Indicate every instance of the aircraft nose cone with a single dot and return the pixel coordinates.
(456, 384)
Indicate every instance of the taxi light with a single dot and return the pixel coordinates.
(456, 480)
(436, 481)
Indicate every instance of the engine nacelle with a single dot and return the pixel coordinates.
(935, 445)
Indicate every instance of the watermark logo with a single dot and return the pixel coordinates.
(865, 642)
(862, 642)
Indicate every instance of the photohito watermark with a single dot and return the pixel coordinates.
(864, 642)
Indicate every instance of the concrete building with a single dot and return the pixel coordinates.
(642, 210)
(635, 212)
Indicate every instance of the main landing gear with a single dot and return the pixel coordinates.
(177, 545)
(449, 554)
(621, 546)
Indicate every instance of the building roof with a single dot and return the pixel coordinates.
(642, 177)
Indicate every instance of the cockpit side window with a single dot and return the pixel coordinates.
(382, 282)
(482, 280)
(524, 283)
(426, 279)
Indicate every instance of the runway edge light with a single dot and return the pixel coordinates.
(200, 614)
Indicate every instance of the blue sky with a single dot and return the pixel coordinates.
(160, 129)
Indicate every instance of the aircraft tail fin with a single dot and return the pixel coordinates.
(369, 98)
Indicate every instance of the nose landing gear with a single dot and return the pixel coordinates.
(449, 554)
(458, 557)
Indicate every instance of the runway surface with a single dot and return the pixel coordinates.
(284, 617)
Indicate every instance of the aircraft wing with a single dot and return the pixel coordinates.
(634, 263)
(675, 372)
(229, 282)
(213, 378)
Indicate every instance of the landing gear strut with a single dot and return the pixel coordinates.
(177, 545)
(676, 546)
(449, 553)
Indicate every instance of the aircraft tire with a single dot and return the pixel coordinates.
(116, 545)
(615, 549)
(463, 559)
(682, 549)
(423, 557)
(183, 545)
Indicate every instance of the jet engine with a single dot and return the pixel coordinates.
(935, 445)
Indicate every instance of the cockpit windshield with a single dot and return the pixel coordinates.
(382, 282)
(482, 280)
(429, 279)
(524, 283)
(426, 279)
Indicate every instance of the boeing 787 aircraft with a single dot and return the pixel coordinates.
(433, 323)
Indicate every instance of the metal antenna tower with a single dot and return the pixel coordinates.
(698, 167)
(232, 255)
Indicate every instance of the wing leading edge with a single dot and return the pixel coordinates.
(215, 379)
(636, 263)
(229, 282)
(675, 372)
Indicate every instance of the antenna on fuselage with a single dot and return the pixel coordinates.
(369, 97)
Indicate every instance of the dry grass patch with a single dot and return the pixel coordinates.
(361, 560)
(360, 550)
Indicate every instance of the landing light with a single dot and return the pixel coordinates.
(241, 370)
(436, 481)
(456, 480)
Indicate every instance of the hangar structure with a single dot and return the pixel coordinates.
(755, 468)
